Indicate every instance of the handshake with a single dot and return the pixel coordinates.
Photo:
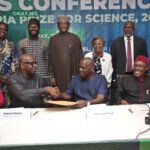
(53, 91)
(55, 94)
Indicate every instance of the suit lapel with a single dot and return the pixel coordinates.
(123, 47)
(135, 45)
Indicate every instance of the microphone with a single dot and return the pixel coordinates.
(147, 118)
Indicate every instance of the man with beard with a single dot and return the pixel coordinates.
(25, 88)
(65, 53)
(134, 89)
(36, 47)
(125, 49)
(87, 87)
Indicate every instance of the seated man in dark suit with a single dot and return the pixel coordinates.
(87, 86)
(134, 89)
(25, 87)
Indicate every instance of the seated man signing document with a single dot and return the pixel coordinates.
(26, 87)
(87, 86)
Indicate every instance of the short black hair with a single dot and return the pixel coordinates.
(5, 25)
(98, 38)
(34, 21)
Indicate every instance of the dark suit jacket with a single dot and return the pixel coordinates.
(119, 53)
(129, 89)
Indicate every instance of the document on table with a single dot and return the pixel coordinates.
(15, 114)
(62, 103)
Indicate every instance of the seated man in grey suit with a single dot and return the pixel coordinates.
(25, 87)
(135, 88)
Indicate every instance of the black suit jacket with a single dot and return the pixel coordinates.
(119, 53)
(129, 89)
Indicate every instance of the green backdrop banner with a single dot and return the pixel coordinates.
(88, 18)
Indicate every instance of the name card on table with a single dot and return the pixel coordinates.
(15, 114)
(101, 114)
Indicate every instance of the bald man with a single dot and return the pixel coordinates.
(25, 87)
(87, 86)
(119, 49)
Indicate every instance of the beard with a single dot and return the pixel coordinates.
(128, 34)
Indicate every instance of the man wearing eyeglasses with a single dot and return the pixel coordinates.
(26, 87)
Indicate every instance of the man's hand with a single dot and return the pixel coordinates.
(53, 91)
(124, 102)
(81, 104)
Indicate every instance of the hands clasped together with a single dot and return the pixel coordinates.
(53, 91)
(55, 94)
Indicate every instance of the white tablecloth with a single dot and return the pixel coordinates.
(64, 125)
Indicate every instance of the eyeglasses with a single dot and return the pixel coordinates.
(30, 63)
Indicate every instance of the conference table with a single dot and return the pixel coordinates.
(95, 127)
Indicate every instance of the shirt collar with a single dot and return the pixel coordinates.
(126, 38)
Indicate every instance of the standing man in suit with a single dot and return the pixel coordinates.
(124, 51)
(122, 59)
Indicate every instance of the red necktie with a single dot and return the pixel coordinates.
(129, 57)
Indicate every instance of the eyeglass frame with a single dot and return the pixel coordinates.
(30, 63)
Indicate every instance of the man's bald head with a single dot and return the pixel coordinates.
(27, 65)
(88, 61)
(86, 68)
(25, 57)
(129, 28)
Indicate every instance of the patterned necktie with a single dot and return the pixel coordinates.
(129, 57)
(98, 67)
